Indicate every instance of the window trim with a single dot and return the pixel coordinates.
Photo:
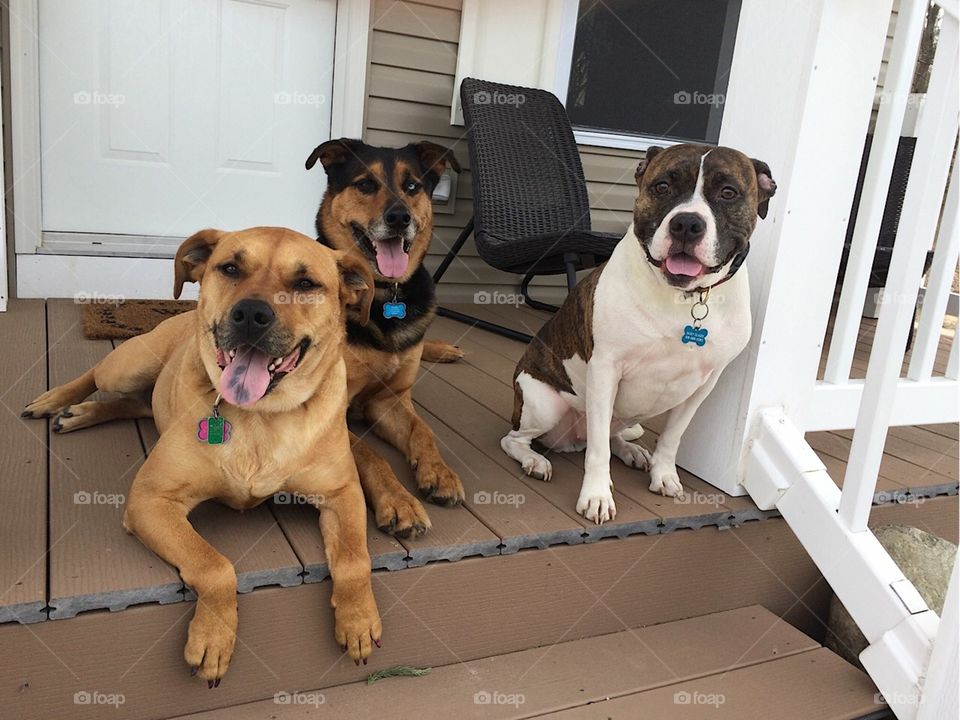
(561, 86)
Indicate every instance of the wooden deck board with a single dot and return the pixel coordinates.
(456, 533)
(815, 685)
(93, 563)
(568, 674)
(23, 465)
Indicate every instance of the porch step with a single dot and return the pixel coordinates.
(744, 663)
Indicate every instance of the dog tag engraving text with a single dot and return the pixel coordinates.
(696, 335)
(395, 310)
(213, 430)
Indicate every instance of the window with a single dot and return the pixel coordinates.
(651, 68)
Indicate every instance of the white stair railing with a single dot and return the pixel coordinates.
(767, 399)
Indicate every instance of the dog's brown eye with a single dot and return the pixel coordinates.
(305, 285)
(728, 193)
(230, 270)
(366, 186)
(662, 187)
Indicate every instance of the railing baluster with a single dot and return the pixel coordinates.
(936, 135)
(938, 288)
(886, 137)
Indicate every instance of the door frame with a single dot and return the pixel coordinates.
(46, 274)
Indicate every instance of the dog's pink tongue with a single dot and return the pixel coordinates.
(391, 259)
(683, 264)
(245, 379)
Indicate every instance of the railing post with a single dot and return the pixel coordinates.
(812, 134)
(936, 135)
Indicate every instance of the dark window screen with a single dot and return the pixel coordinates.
(652, 67)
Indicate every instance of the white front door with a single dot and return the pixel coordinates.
(162, 117)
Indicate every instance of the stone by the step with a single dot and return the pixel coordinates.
(925, 560)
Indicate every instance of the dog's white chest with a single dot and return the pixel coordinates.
(640, 337)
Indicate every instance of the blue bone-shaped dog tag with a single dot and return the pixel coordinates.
(395, 310)
(695, 335)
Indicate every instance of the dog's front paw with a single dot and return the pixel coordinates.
(211, 639)
(438, 483)
(665, 481)
(596, 501)
(357, 627)
(537, 467)
(631, 454)
(51, 403)
(402, 515)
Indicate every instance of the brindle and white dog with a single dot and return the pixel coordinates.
(623, 347)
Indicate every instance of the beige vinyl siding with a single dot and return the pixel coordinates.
(413, 58)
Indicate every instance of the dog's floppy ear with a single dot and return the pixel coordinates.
(356, 285)
(434, 160)
(766, 186)
(332, 152)
(643, 164)
(192, 256)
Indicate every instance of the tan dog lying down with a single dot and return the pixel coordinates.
(268, 335)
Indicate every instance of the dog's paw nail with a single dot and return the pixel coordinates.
(209, 684)
(26, 413)
(357, 663)
(377, 643)
(216, 683)
(194, 670)
(364, 661)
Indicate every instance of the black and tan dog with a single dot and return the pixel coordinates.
(377, 208)
(267, 337)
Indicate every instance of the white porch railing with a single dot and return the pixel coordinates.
(826, 55)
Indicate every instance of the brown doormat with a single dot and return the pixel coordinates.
(126, 319)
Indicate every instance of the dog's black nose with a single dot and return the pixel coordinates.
(251, 318)
(397, 217)
(687, 227)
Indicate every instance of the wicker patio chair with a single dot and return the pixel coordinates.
(531, 213)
